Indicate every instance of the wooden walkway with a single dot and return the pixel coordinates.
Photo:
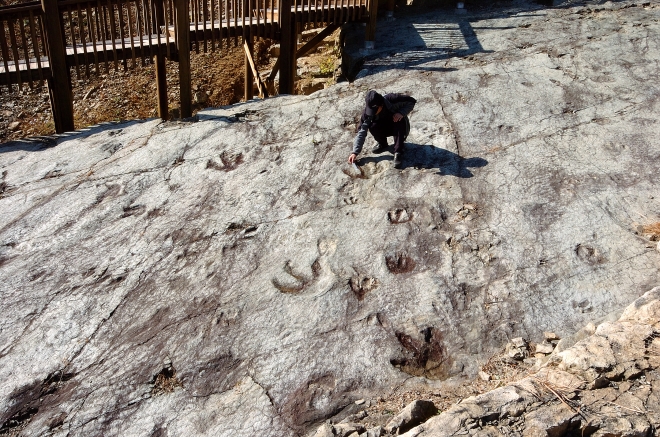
(44, 41)
(109, 33)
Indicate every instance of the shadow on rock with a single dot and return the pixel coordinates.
(428, 157)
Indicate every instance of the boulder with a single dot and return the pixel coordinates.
(551, 421)
(413, 414)
(544, 348)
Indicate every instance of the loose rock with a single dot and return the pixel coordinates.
(415, 413)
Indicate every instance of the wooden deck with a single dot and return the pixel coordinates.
(45, 40)
(126, 52)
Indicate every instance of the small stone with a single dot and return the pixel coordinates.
(359, 402)
(550, 336)
(517, 349)
(485, 376)
(544, 348)
(200, 97)
(324, 430)
(415, 413)
(14, 126)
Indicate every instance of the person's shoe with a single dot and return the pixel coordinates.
(379, 148)
(397, 160)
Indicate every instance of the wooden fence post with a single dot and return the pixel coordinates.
(161, 77)
(390, 9)
(370, 38)
(287, 48)
(59, 85)
(183, 35)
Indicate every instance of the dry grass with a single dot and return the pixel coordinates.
(504, 370)
(652, 231)
(165, 382)
(501, 369)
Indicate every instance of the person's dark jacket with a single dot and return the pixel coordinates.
(393, 103)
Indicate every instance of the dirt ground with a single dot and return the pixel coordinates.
(500, 369)
(115, 95)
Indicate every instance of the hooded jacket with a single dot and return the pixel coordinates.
(394, 103)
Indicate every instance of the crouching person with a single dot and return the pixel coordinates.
(384, 116)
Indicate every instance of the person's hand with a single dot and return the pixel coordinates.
(351, 159)
(397, 117)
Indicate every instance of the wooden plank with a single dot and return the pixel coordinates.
(12, 77)
(90, 27)
(287, 44)
(371, 25)
(104, 33)
(226, 20)
(129, 15)
(195, 15)
(309, 46)
(25, 48)
(111, 12)
(122, 32)
(159, 15)
(35, 45)
(174, 21)
(81, 30)
(243, 6)
(307, 17)
(141, 27)
(14, 49)
(250, 70)
(205, 17)
(73, 39)
(59, 85)
(213, 24)
(6, 12)
(260, 28)
(161, 87)
(272, 16)
(147, 11)
(183, 25)
(235, 13)
(121, 54)
(167, 34)
(5, 52)
(318, 39)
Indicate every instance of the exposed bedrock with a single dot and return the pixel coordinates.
(236, 277)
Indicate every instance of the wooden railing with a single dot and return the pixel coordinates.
(23, 51)
(47, 40)
(107, 33)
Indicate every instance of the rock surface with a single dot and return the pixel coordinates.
(233, 277)
(416, 412)
(561, 398)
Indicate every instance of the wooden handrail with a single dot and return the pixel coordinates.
(76, 37)
(34, 7)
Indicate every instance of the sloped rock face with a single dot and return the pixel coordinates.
(235, 277)
(605, 385)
